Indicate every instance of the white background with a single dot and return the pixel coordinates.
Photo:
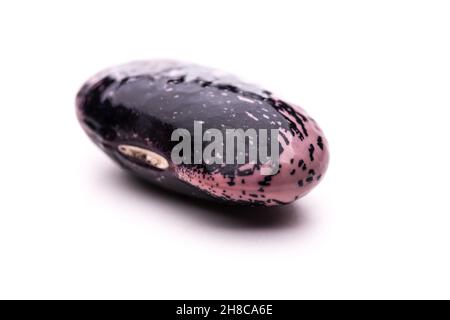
(374, 74)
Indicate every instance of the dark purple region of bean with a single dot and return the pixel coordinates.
(138, 108)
